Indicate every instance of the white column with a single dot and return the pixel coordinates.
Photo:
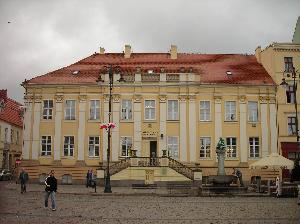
(162, 124)
(192, 129)
(243, 131)
(137, 116)
(36, 128)
(57, 128)
(218, 119)
(116, 130)
(104, 132)
(81, 127)
(273, 126)
(264, 128)
(183, 130)
(27, 128)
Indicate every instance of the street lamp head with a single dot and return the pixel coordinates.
(99, 80)
(121, 79)
(284, 84)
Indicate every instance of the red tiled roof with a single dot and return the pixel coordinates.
(211, 67)
(11, 112)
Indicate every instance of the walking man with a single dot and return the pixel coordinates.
(50, 190)
(23, 178)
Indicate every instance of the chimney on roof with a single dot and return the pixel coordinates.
(173, 51)
(258, 54)
(127, 51)
(102, 50)
(3, 94)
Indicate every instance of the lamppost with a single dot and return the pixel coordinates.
(111, 70)
(286, 85)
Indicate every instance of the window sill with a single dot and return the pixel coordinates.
(206, 159)
(47, 120)
(232, 159)
(67, 157)
(70, 121)
(94, 121)
(126, 121)
(149, 121)
(94, 157)
(205, 121)
(233, 121)
(45, 157)
(173, 121)
(254, 158)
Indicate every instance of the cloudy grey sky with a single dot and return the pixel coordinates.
(38, 36)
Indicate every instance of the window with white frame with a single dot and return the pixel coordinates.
(230, 110)
(290, 94)
(204, 110)
(46, 146)
(69, 146)
(126, 110)
(47, 109)
(126, 146)
(252, 111)
(231, 147)
(70, 110)
(94, 146)
(94, 109)
(205, 144)
(288, 64)
(292, 125)
(149, 109)
(254, 147)
(173, 146)
(11, 135)
(173, 110)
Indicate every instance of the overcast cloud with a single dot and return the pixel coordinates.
(38, 36)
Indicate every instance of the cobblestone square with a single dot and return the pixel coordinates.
(81, 205)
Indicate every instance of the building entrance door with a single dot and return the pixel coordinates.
(153, 153)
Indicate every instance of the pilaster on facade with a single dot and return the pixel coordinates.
(264, 125)
(81, 126)
(273, 124)
(27, 126)
(58, 122)
(36, 127)
(162, 123)
(183, 128)
(116, 131)
(243, 129)
(218, 118)
(192, 129)
(137, 117)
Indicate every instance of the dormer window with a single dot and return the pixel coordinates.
(228, 73)
(75, 72)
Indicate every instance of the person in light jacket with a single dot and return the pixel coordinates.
(50, 190)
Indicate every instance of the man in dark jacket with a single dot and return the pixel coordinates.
(23, 178)
(50, 190)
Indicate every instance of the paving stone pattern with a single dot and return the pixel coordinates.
(78, 204)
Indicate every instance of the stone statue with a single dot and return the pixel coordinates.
(221, 150)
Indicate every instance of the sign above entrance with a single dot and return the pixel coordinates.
(149, 134)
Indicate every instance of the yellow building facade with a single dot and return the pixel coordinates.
(279, 59)
(173, 102)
